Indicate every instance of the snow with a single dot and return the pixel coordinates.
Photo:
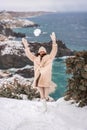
(7, 20)
(20, 79)
(41, 115)
(26, 22)
(37, 32)
(14, 21)
(12, 47)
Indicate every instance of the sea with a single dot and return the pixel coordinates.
(71, 28)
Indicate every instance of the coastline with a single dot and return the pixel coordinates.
(27, 14)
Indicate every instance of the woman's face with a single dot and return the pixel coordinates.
(42, 53)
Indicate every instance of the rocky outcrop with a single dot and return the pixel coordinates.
(62, 49)
(27, 72)
(10, 61)
(12, 53)
(6, 32)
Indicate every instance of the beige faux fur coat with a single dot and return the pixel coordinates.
(43, 68)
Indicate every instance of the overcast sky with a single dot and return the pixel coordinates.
(44, 5)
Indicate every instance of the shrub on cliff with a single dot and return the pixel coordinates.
(77, 84)
(18, 91)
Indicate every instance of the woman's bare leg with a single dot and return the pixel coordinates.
(41, 90)
(46, 92)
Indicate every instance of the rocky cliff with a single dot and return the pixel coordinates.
(12, 53)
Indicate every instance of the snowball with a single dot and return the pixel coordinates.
(37, 32)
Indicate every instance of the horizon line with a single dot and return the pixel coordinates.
(44, 11)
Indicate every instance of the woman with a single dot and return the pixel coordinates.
(42, 67)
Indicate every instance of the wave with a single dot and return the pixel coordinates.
(13, 70)
(44, 32)
(65, 57)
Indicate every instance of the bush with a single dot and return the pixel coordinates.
(77, 84)
(18, 91)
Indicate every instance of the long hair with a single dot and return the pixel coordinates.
(41, 56)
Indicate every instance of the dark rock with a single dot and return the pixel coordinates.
(1, 29)
(9, 61)
(27, 73)
(18, 35)
(2, 47)
(35, 25)
(9, 32)
(62, 49)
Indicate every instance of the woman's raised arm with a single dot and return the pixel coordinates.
(54, 46)
(28, 53)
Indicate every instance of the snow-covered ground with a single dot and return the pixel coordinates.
(39, 115)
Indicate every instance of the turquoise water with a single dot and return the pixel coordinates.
(59, 77)
(71, 28)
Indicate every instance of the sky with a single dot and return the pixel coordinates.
(44, 5)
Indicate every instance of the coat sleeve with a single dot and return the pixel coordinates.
(53, 51)
(29, 54)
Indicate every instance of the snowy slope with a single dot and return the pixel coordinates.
(39, 115)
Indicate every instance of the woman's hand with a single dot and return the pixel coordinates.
(25, 43)
(53, 37)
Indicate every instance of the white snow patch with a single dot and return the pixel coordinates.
(12, 47)
(21, 80)
(26, 22)
(30, 115)
(13, 22)
(65, 57)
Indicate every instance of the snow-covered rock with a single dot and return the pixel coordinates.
(13, 22)
(11, 47)
(12, 55)
(20, 79)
